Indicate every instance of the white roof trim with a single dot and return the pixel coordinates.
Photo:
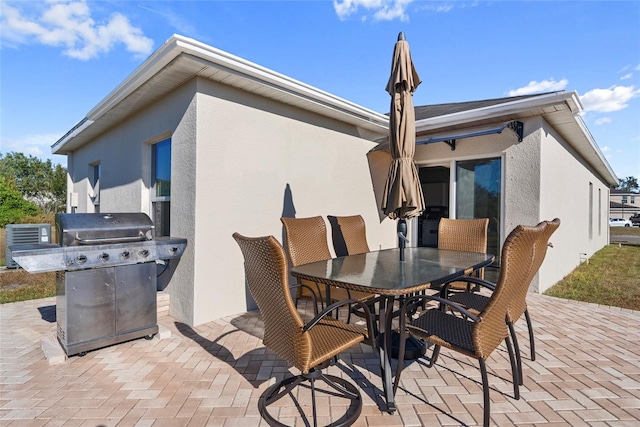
(594, 146)
(177, 45)
(510, 108)
(585, 144)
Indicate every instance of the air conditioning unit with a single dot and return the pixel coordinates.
(25, 234)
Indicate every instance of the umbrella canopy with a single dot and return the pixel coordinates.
(402, 196)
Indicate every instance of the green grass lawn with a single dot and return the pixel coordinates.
(18, 285)
(610, 277)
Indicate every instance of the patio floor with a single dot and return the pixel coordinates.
(587, 373)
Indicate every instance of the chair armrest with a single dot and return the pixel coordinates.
(467, 279)
(477, 281)
(313, 295)
(443, 301)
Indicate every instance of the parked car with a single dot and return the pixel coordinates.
(635, 219)
(619, 222)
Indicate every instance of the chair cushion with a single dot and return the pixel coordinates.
(330, 337)
(473, 301)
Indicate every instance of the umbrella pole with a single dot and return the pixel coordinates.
(402, 236)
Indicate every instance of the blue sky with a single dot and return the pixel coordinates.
(58, 59)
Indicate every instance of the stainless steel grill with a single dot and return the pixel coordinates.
(106, 277)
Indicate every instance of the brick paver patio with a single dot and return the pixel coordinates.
(587, 373)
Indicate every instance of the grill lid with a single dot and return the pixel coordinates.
(103, 228)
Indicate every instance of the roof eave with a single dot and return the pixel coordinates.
(587, 146)
(176, 45)
(514, 107)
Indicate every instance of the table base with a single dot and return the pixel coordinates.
(415, 348)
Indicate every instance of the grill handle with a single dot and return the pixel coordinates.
(110, 240)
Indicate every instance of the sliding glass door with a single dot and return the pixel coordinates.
(478, 195)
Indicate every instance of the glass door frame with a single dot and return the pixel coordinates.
(452, 164)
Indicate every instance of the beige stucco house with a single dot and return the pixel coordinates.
(207, 144)
(623, 204)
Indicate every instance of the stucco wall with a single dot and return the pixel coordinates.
(125, 157)
(239, 163)
(255, 161)
(565, 186)
(543, 179)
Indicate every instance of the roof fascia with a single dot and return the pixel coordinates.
(513, 107)
(570, 98)
(177, 45)
(613, 179)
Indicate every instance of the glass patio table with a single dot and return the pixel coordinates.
(382, 272)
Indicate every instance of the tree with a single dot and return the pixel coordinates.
(13, 206)
(629, 183)
(38, 181)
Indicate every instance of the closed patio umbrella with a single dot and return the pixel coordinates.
(402, 198)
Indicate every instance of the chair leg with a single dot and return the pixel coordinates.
(516, 349)
(434, 355)
(531, 341)
(514, 370)
(344, 388)
(485, 392)
(312, 380)
(401, 349)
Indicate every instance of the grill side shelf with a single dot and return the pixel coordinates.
(39, 258)
(44, 258)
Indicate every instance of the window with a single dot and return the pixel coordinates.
(599, 212)
(94, 177)
(590, 211)
(161, 187)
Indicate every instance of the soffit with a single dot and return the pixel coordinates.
(560, 110)
(181, 60)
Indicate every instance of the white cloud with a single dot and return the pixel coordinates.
(624, 69)
(382, 10)
(33, 145)
(602, 121)
(173, 18)
(607, 100)
(69, 24)
(536, 87)
(628, 71)
(604, 149)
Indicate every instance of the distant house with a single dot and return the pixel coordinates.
(624, 204)
(208, 144)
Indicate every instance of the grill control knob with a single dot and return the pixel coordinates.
(103, 257)
(81, 259)
(125, 255)
(173, 249)
(144, 253)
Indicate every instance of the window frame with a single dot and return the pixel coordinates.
(160, 205)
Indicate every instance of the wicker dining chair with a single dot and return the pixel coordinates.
(463, 235)
(476, 302)
(308, 347)
(306, 242)
(349, 235)
(474, 335)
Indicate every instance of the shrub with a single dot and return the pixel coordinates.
(12, 206)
